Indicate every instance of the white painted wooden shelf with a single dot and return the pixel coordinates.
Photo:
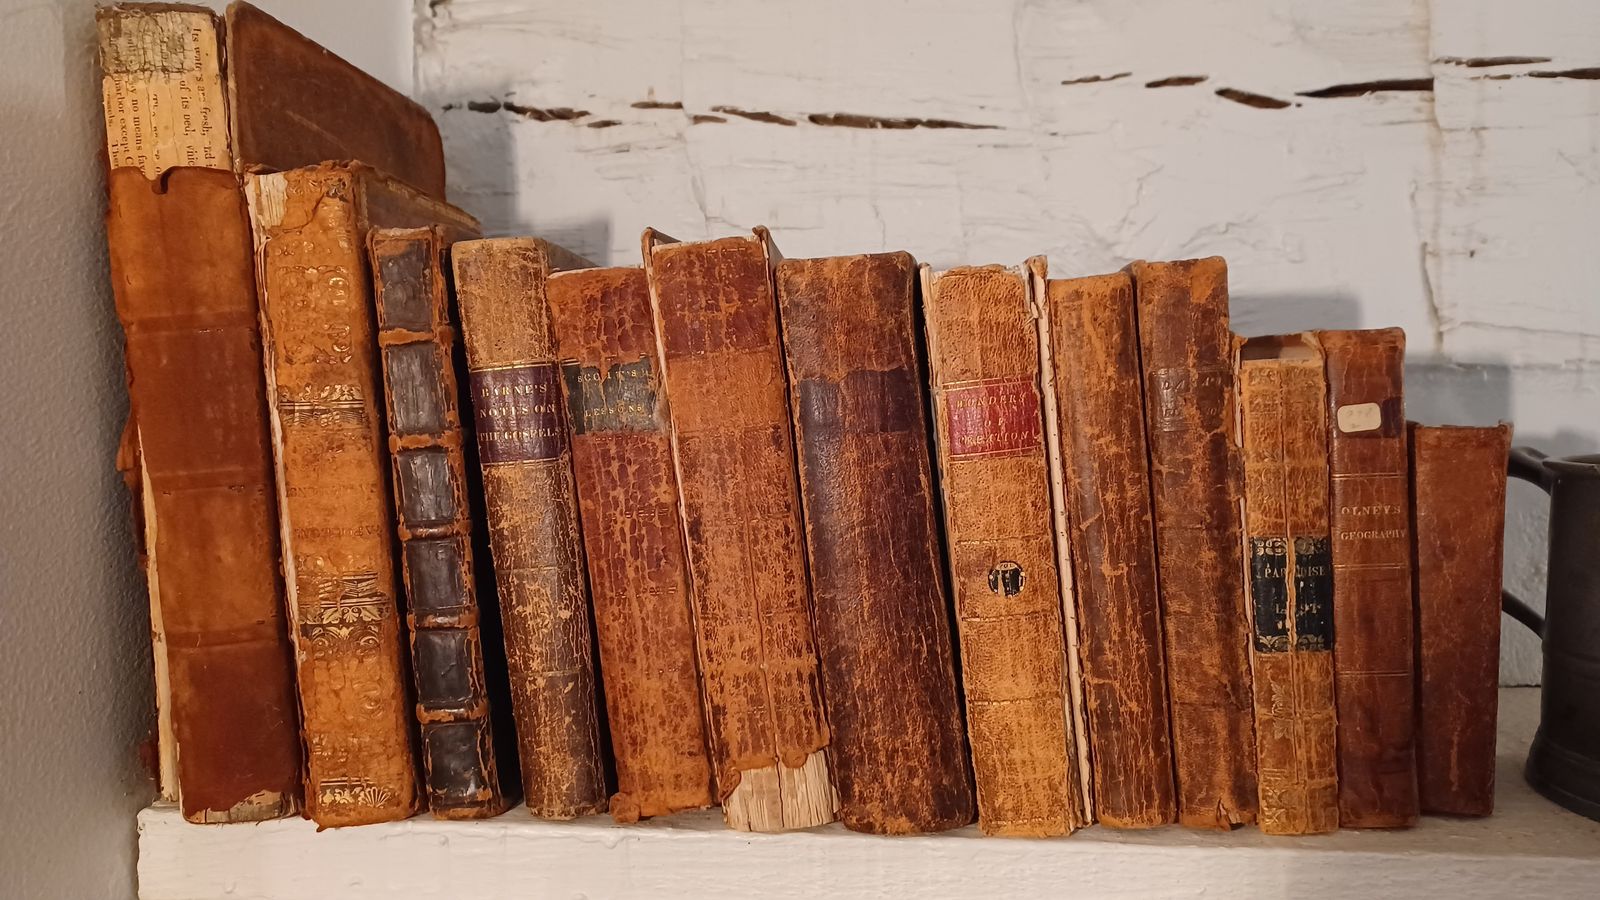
(1530, 850)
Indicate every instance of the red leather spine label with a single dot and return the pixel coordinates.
(518, 411)
(994, 417)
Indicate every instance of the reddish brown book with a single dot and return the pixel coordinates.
(1282, 394)
(633, 540)
(467, 771)
(1190, 420)
(717, 323)
(320, 345)
(1458, 488)
(1369, 497)
(1095, 356)
(532, 509)
(872, 538)
(983, 355)
(182, 270)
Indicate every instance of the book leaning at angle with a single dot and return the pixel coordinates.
(339, 552)
(189, 102)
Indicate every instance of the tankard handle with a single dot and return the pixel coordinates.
(1527, 464)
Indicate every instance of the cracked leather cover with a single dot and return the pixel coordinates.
(1190, 423)
(1095, 353)
(633, 539)
(872, 538)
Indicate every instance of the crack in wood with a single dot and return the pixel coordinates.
(1176, 81)
(1091, 79)
(1591, 73)
(657, 104)
(703, 119)
(1363, 88)
(853, 120)
(754, 115)
(537, 114)
(603, 123)
(1483, 62)
(1259, 101)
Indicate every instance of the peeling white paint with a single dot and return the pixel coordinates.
(1465, 213)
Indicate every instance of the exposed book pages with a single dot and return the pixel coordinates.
(717, 325)
(983, 358)
(457, 654)
(1369, 508)
(532, 508)
(872, 540)
(1094, 354)
(1282, 397)
(339, 554)
(633, 540)
(182, 270)
(1458, 490)
(1186, 353)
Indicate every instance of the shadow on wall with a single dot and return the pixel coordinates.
(485, 179)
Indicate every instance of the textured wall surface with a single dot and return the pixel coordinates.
(1424, 163)
(77, 663)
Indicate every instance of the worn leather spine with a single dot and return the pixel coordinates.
(525, 454)
(320, 346)
(983, 357)
(1282, 395)
(717, 329)
(1186, 353)
(1369, 504)
(455, 674)
(185, 292)
(872, 540)
(1458, 488)
(633, 540)
(1095, 355)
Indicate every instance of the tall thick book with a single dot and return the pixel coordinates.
(339, 556)
(183, 115)
(1186, 352)
(1094, 354)
(872, 539)
(525, 455)
(633, 540)
(983, 358)
(457, 656)
(1282, 396)
(1369, 504)
(1458, 490)
(717, 326)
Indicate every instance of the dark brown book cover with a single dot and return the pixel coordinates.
(188, 308)
(872, 539)
(180, 239)
(717, 323)
(320, 344)
(1458, 487)
(983, 358)
(1282, 396)
(1189, 417)
(1186, 352)
(1369, 504)
(633, 540)
(455, 671)
(525, 454)
(1095, 355)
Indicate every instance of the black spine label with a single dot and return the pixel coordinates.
(1269, 591)
(1313, 593)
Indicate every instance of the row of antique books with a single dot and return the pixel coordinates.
(437, 521)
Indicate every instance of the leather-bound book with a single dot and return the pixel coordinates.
(633, 540)
(983, 357)
(1458, 489)
(717, 325)
(872, 538)
(1282, 396)
(524, 452)
(339, 552)
(182, 272)
(1095, 357)
(1186, 352)
(1369, 508)
(457, 657)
